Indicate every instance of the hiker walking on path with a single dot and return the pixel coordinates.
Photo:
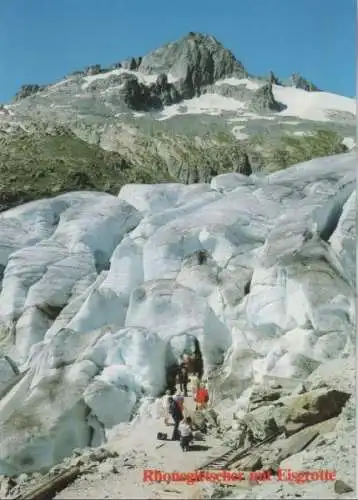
(177, 415)
(165, 406)
(184, 363)
(183, 381)
(186, 433)
(198, 360)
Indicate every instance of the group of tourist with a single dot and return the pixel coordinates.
(174, 408)
(189, 372)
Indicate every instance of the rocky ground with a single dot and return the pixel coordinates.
(316, 431)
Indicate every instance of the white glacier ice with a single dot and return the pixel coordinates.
(99, 294)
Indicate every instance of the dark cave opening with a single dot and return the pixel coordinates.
(247, 287)
(190, 356)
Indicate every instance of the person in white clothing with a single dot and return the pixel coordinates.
(186, 433)
(165, 406)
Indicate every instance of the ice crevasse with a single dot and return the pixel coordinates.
(99, 294)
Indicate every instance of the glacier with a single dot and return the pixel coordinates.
(99, 294)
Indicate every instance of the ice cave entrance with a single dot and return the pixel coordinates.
(182, 347)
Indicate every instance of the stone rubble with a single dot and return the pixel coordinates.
(322, 440)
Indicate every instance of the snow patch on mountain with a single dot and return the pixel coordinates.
(311, 105)
(142, 77)
(248, 83)
(314, 106)
(209, 104)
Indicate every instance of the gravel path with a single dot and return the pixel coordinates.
(113, 479)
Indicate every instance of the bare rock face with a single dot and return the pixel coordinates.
(195, 60)
(319, 405)
(264, 395)
(167, 92)
(202, 419)
(264, 101)
(132, 64)
(299, 82)
(137, 96)
(272, 78)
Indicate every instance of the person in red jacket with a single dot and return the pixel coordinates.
(202, 397)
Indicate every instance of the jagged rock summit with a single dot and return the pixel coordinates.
(263, 101)
(195, 60)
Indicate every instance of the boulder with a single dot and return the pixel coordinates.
(293, 413)
(310, 408)
(263, 394)
(341, 487)
(202, 419)
(336, 374)
(261, 423)
(286, 447)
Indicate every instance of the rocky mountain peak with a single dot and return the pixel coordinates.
(194, 60)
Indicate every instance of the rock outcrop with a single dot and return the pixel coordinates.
(28, 90)
(263, 101)
(94, 69)
(299, 82)
(137, 96)
(132, 64)
(273, 79)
